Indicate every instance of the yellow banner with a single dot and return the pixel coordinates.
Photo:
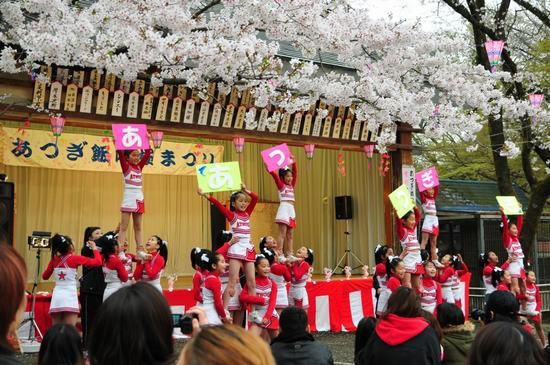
(38, 148)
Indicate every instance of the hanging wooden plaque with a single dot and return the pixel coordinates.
(39, 95)
(317, 125)
(356, 130)
(118, 103)
(241, 113)
(216, 115)
(133, 103)
(189, 111)
(139, 87)
(326, 127)
(162, 108)
(70, 97)
(285, 124)
(228, 117)
(102, 101)
(297, 123)
(251, 126)
(337, 127)
(175, 116)
(307, 124)
(203, 113)
(147, 109)
(86, 99)
(56, 89)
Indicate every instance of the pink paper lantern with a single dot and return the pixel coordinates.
(239, 144)
(309, 148)
(157, 138)
(536, 100)
(58, 123)
(494, 51)
(369, 150)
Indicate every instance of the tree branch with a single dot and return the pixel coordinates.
(540, 14)
(205, 9)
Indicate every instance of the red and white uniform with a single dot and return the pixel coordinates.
(382, 303)
(445, 278)
(280, 274)
(513, 247)
(150, 271)
(503, 287)
(127, 260)
(132, 198)
(286, 213)
(64, 268)
(234, 304)
(115, 274)
(240, 227)
(430, 294)
(211, 292)
(431, 222)
(392, 284)
(409, 240)
(297, 295)
(455, 287)
(264, 301)
(534, 302)
(198, 278)
(487, 278)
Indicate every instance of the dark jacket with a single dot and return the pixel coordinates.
(399, 340)
(7, 357)
(93, 280)
(456, 343)
(300, 350)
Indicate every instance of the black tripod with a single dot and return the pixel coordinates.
(31, 317)
(347, 253)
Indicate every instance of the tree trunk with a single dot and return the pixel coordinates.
(537, 200)
(502, 169)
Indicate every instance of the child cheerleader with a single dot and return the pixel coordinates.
(241, 254)
(149, 268)
(396, 272)
(113, 268)
(488, 262)
(64, 306)
(430, 226)
(232, 303)
(501, 279)
(264, 318)
(212, 266)
(534, 304)
(132, 198)
(381, 255)
(297, 295)
(445, 278)
(430, 290)
(285, 179)
(198, 276)
(460, 269)
(510, 237)
(270, 243)
(406, 232)
(280, 274)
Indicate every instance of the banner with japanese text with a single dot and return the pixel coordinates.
(38, 148)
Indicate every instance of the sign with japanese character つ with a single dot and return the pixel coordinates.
(427, 179)
(130, 136)
(216, 177)
(277, 157)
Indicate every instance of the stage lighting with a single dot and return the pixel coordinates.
(39, 239)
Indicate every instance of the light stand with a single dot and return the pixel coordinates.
(348, 252)
(31, 317)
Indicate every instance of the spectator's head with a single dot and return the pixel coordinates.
(449, 314)
(228, 344)
(365, 329)
(61, 345)
(293, 320)
(133, 326)
(13, 279)
(404, 303)
(505, 343)
(501, 306)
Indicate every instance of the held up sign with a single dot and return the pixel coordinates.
(427, 179)
(216, 177)
(277, 157)
(130, 136)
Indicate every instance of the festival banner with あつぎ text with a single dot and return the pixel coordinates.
(38, 148)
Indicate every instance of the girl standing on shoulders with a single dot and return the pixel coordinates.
(510, 236)
(285, 179)
(406, 232)
(149, 268)
(430, 226)
(64, 306)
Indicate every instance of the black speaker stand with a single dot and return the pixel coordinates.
(348, 253)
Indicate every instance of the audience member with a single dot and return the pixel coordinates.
(505, 342)
(13, 278)
(132, 327)
(294, 344)
(61, 345)
(458, 335)
(402, 335)
(365, 329)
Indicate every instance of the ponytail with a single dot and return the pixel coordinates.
(163, 249)
(60, 244)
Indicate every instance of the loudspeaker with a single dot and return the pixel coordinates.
(217, 223)
(343, 207)
(7, 211)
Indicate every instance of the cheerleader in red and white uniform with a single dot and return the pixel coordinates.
(510, 237)
(445, 278)
(430, 289)
(430, 226)
(285, 179)
(397, 271)
(280, 274)
(132, 198)
(501, 279)
(113, 268)
(264, 318)
(381, 255)
(534, 304)
(150, 267)
(64, 307)
(406, 232)
(242, 253)
(212, 266)
(198, 275)
(297, 295)
(460, 269)
(488, 262)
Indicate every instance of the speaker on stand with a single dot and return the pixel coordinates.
(344, 211)
(7, 212)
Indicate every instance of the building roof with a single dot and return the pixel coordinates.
(469, 196)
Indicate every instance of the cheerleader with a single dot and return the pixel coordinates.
(534, 304)
(132, 198)
(64, 306)
(430, 226)
(430, 290)
(280, 274)
(212, 266)
(270, 243)
(510, 237)
(406, 232)
(242, 253)
(381, 256)
(127, 259)
(150, 267)
(285, 179)
(460, 269)
(488, 262)
(445, 278)
(501, 279)
(198, 276)
(113, 268)
(264, 318)
(297, 295)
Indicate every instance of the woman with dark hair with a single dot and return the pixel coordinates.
(458, 334)
(13, 280)
(61, 345)
(133, 327)
(506, 343)
(365, 328)
(402, 335)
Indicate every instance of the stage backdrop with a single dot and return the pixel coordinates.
(68, 201)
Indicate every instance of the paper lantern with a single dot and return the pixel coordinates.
(369, 150)
(157, 138)
(309, 148)
(239, 144)
(494, 51)
(536, 100)
(58, 123)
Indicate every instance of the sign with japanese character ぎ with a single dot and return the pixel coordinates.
(216, 177)
(277, 157)
(427, 179)
(130, 136)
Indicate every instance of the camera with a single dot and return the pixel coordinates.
(478, 314)
(186, 323)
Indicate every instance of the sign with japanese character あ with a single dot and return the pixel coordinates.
(130, 136)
